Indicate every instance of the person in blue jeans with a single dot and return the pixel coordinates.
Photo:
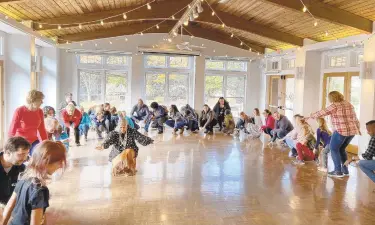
(367, 162)
(176, 121)
(84, 126)
(345, 124)
(291, 138)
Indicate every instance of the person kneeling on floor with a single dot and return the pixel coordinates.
(305, 143)
(124, 151)
(229, 124)
(366, 161)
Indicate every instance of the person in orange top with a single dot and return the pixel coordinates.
(72, 117)
(28, 120)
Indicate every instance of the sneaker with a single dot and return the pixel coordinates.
(181, 130)
(160, 132)
(85, 138)
(335, 174)
(174, 131)
(346, 174)
(78, 144)
(206, 131)
(298, 162)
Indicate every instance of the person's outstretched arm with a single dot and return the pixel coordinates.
(9, 209)
(142, 139)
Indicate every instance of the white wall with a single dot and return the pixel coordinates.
(48, 80)
(17, 72)
(68, 78)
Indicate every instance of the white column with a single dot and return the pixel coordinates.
(137, 80)
(307, 82)
(49, 76)
(199, 73)
(367, 102)
(253, 87)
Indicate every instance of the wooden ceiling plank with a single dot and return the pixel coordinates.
(10, 1)
(249, 26)
(329, 13)
(158, 11)
(164, 28)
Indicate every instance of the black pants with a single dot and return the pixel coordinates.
(76, 132)
(268, 131)
(220, 120)
(210, 126)
(193, 125)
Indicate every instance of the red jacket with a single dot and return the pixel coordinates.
(270, 123)
(27, 124)
(75, 118)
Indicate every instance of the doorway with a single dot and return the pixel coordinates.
(281, 94)
(349, 84)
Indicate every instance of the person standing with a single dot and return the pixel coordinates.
(346, 126)
(12, 158)
(219, 110)
(72, 117)
(68, 99)
(28, 120)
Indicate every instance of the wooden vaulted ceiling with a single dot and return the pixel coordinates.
(260, 24)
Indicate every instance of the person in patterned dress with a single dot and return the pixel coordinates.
(124, 147)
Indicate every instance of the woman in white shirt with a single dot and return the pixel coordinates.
(254, 128)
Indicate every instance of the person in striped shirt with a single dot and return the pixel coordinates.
(346, 126)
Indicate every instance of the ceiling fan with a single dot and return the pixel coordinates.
(187, 46)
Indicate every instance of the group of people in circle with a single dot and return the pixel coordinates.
(42, 139)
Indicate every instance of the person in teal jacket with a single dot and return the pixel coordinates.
(84, 126)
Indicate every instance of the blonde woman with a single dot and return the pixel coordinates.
(323, 135)
(345, 125)
(305, 142)
(28, 120)
(255, 128)
(72, 117)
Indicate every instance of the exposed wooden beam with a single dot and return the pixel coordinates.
(162, 9)
(249, 26)
(164, 28)
(10, 1)
(326, 12)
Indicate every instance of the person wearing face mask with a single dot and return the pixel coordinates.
(11, 165)
(72, 117)
(28, 120)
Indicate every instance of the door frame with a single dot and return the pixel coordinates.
(282, 85)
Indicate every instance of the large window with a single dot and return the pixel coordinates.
(225, 79)
(104, 79)
(168, 79)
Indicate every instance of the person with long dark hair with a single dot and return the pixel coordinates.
(176, 121)
(219, 110)
(207, 120)
(270, 122)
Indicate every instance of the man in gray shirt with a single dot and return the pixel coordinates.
(141, 112)
(282, 128)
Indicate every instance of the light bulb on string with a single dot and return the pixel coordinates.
(337, 40)
(80, 26)
(189, 6)
(304, 8)
(141, 33)
(326, 33)
(199, 8)
(59, 27)
(126, 39)
(250, 49)
(241, 43)
(81, 44)
(195, 13)
(40, 26)
(6, 17)
(213, 13)
(191, 36)
(214, 50)
(102, 22)
(186, 22)
(110, 42)
(354, 45)
(169, 40)
(124, 16)
(232, 35)
(258, 53)
(223, 25)
(173, 17)
(315, 23)
(148, 6)
(157, 26)
(96, 45)
(67, 42)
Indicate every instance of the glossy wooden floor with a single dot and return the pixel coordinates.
(193, 179)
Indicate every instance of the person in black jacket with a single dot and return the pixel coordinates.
(219, 110)
(107, 117)
(11, 165)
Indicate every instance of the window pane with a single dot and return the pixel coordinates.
(90, 59)
(235, 93)
(156, 61)
(178, 62)
(355, 93)
(213, 89)
(335, 84)
(178, 89)
(289, 98)
(360, 59)
(117, 60)
(236, 66)
(155, 88)
(236, 105)
(116, 90)
(90, 88)
(214, 65)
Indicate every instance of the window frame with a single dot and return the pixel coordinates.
(103, 69)
(226, 65)
(167, 62)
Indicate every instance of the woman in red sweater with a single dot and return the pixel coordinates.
(72, 117)
(28, 120)
(270, 122)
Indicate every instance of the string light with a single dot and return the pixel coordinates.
(214, 50)
(304, 8)
(223, 25)
(81, 44)
(189, 6)
(124, 16)
(141, 33)
(232, 35)
(102, 22)
(241, 43)
(157, 26)
(126, 39)
(173, 17)
(191, 36)
(110, 42)
(326, 33)
(148, 6)
(80, 26)
(59, 27)
(169, 40)
(250, 49)
(96, 45)
(213, 13)
(315, 23)
(40, 26)
(186, 22)
(6, 17)
(67, 42)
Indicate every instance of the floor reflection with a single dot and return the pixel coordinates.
(199, 179)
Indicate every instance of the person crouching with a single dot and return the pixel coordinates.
(124, 151)
(229, 124)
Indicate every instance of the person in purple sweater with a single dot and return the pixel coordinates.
(323, 137)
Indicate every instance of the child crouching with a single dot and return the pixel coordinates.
(229, 124)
